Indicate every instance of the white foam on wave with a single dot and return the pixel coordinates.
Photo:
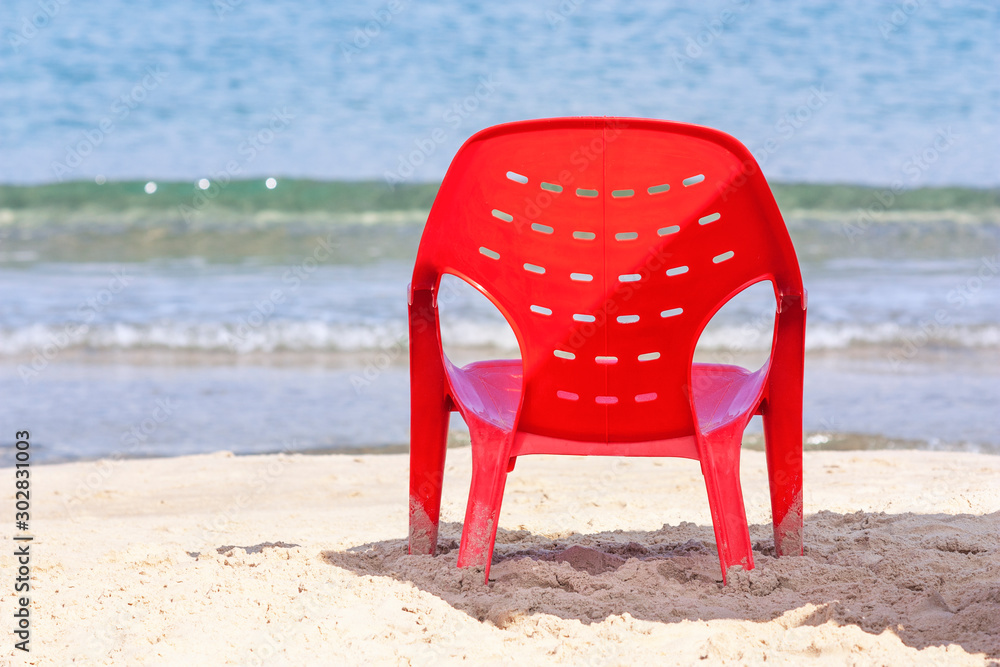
(308, 336)
(318, 336)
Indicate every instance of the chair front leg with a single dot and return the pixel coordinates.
(491, 447)
(720, 465)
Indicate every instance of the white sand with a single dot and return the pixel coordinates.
(902, 565)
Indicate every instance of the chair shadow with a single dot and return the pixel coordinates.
(931, 579)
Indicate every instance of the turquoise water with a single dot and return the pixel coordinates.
(272, 318)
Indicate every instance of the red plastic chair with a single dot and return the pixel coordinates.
(608, 244)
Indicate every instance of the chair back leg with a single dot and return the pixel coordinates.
(783, 429)
(428, 442)
(430, 410)
(783, 437)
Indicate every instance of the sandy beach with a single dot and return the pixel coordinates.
(222, 225)
(293, 559)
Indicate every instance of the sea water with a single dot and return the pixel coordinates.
(825, 92)
(281, 350)
(191, 320)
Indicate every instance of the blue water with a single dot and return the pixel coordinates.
(903, 339)
(195, 306)
(256, 362)
(824, 92)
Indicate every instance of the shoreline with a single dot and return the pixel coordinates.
(458, 438)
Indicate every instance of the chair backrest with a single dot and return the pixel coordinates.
(608, 244)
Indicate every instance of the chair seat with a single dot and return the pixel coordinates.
(723, 394)
(489, 389)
